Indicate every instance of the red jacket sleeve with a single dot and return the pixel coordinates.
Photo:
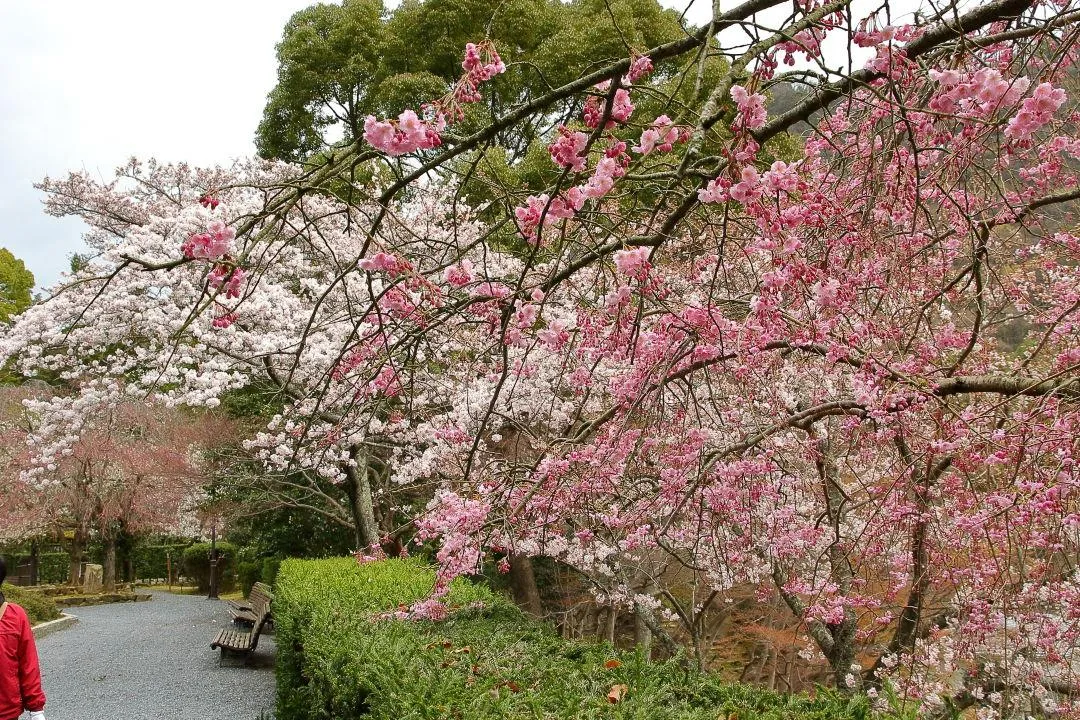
(29, 672)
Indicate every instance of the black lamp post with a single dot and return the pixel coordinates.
(213, 563)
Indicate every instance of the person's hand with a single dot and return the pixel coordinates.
(37, 715)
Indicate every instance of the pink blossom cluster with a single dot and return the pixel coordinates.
(478, 69)
(524, 319)
(410, 133)
(532, 214)
(541, 209)
(633, 263)
(661, 135)
(807, 42)
(1053, 162)
(715, 191)
(869, 34)
(363, 353)
(781, 177)
(397, 302)
(386, 262)
(621, 107)
(566, 151)
(1035, 111)
(455, 521)
(214, 244)
(980, 93)
(229, 279)
(609, 168)
(749, 187)
(640, 66)
(751, 107)
(751, 184)
(225, 320)
(567, 148)
(405, 135)
(387, 383)
(555, 335)
(460, 274)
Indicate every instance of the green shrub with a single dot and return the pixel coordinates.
(53, 568)
(197, 565)
(337, 658)
(247, 574)
(153, 562)
(270, 567)
(38, 607)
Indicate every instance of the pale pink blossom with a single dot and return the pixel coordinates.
(751, 107)
(633, 262)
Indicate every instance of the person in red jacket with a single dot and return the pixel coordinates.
(20, 676)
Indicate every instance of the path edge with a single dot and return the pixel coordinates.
(52, 626)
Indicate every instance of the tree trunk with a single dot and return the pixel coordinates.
(78, 544)
(361, 504)
(663, 637)
(642, 635)
(354, 509)
(108, 570)
(842, 653)
(523, 585)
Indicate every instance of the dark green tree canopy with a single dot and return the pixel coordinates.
(339, 63)
(16, 284)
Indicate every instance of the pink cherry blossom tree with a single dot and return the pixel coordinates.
(845, 380)
(132, 467)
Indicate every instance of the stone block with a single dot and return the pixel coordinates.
(92, 579)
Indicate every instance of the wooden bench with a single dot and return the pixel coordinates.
(244, 642)
(242, 610)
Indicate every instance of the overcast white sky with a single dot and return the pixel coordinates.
(89, 83)
(85, 84)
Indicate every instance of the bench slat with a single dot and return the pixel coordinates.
(233, 640)
(244, 609)
(245, 616)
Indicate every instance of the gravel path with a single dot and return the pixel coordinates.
(150, 660)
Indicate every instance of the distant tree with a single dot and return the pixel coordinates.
(137, 468)
(77, 261)
(339, 63)
(16, 282)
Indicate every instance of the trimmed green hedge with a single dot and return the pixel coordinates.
(147, 557)
(53, 568)
(38, 607)
(336, 660)
(197, 565)
(154, 562)
(247, 574)
(270, 567)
